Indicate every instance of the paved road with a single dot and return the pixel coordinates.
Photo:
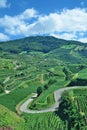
(57, 96)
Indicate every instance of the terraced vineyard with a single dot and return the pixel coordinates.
(73, 108)
(40, 65)
(81, 98)
(45, 121)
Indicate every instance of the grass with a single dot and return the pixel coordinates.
(46, 99)
(83, 74)
(68, 46)
(9, 118)
(36, 105)
(14, 97)
(75, 68)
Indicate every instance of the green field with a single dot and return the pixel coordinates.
(83, 74)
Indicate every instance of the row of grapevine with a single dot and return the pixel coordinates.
(45, 121)
(81, 98)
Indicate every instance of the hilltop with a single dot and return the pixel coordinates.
(66, 51)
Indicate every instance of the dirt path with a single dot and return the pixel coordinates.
(57, 96)
(6, 80)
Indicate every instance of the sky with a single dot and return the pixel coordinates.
(65, 19)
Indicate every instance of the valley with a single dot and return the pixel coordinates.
(44, 67)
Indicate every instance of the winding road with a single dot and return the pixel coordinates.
(57, 96)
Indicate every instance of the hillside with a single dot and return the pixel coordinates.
(9, 118)
(42, 65)
(66, 51)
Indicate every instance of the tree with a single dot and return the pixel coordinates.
(39, 91)
(68, 73)
(1, 87)
(46, 86)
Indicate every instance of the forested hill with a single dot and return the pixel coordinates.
(57, 48)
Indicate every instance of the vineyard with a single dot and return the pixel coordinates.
(45, 121)
(81, 98)
(41, 66)
(73, 109)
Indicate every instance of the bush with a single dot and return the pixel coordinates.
(78, 82)
(39, 91)
(46, 86)
(1, 89)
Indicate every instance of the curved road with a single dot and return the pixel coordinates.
(57, 96)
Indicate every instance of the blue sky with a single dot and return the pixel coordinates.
(65, 19)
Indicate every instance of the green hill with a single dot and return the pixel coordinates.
(66, 51)
(38, 62)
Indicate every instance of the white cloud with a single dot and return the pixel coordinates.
(66, 24)
(4, 4)
(83, 40)
(65, 36)
(3, 37)
(28, 13)
(17, 25)
(66, 21)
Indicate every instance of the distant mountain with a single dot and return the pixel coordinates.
(67, 51)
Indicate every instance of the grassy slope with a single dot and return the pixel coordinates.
(15, 96)
(9, 118)
(83, 74)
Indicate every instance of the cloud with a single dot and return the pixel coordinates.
(17, 25)
(70, 24)
(83, 39)
(4, 4)
(66, 36)
(4, 37)
(28, 13)
(66, 21)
